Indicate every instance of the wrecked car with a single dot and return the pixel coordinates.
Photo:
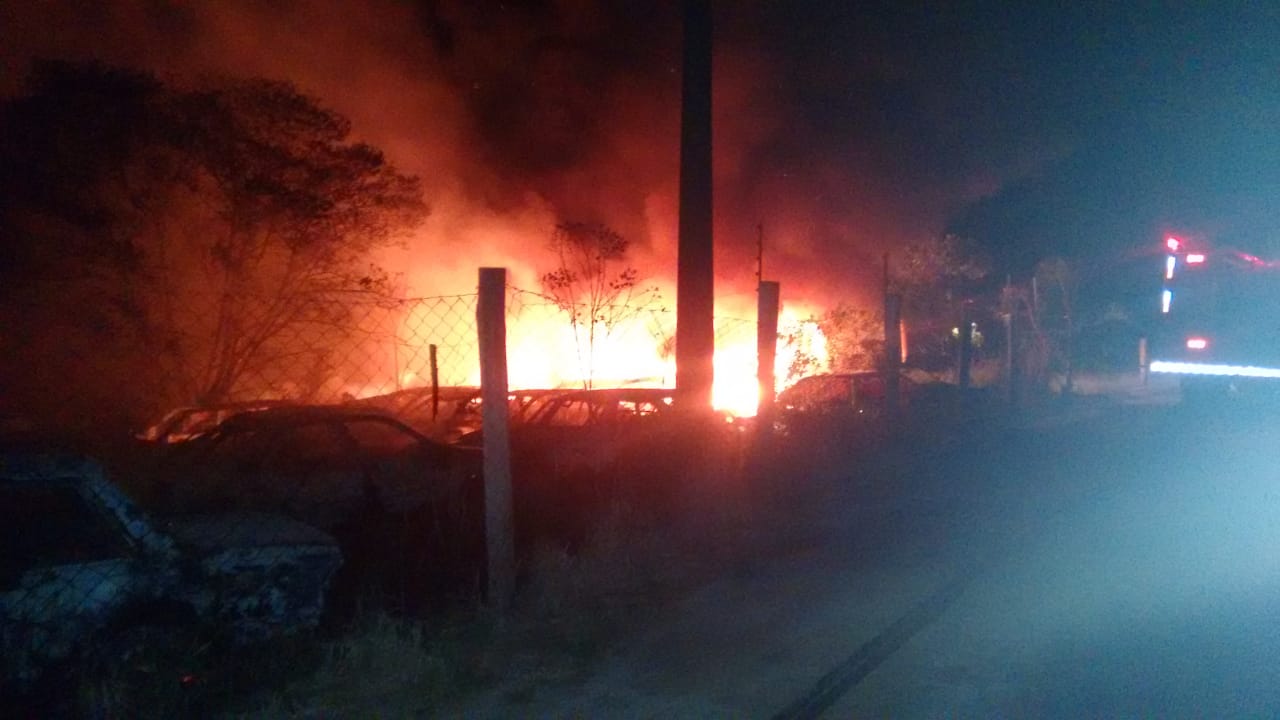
(858, 393)
(442, 413)
(839, 402)
(452, 414)
(184, 423)
(88, 581)
(575, 453)
(404, 509)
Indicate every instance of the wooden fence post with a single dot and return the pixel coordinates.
(491, 323)
(435, 381)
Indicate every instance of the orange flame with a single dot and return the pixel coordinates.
(543, 351)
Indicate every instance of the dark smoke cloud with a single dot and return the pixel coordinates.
(521, 114)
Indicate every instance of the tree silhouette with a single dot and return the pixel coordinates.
(164, 242)
(594, 285)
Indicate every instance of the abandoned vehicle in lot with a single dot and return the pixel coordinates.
(184, 423)
(576, 452)
(441, 413)
(450, 414)
(850, 394)
(589, 428)
(405, 509)
(89, 583)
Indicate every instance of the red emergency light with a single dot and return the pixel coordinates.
(1172, 243)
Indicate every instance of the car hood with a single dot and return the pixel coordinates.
(244, 530)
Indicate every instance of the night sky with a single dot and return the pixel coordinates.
(846, 129)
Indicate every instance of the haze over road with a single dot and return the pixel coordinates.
(1123, 565)
(1155, 593)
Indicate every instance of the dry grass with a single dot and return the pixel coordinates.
(572, 609)
(382, 667)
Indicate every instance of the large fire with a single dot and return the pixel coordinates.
(534, 116)
(544, 351)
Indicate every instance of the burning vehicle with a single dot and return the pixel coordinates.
(90, 584)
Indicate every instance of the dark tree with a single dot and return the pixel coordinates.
(936, 277)
(162, 242)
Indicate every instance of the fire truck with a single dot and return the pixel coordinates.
(1219, 328)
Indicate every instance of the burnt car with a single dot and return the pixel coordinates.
(841, 395)
(89, 584)
(588, 428)
(184, 423)
(452, 414)
(576, 452)
(405, 509)
(443, 413)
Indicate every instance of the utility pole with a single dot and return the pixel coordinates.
(695, 276)
(759, 253)
(767, 303)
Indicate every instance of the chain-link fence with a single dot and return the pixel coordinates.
(431, 341)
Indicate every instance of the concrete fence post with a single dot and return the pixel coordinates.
(491, 323)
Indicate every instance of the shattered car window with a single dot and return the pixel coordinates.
(49, 526)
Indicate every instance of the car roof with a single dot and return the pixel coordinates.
(623, 393)
(409, 395)
(858, 374)
(186, 410)
(301, 414)
(38, 466)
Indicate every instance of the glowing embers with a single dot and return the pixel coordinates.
(1197, 343)
(1190, 368)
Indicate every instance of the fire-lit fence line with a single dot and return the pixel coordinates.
(287, 520)
(392, 344)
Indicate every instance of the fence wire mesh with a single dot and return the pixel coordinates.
(418, 342)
